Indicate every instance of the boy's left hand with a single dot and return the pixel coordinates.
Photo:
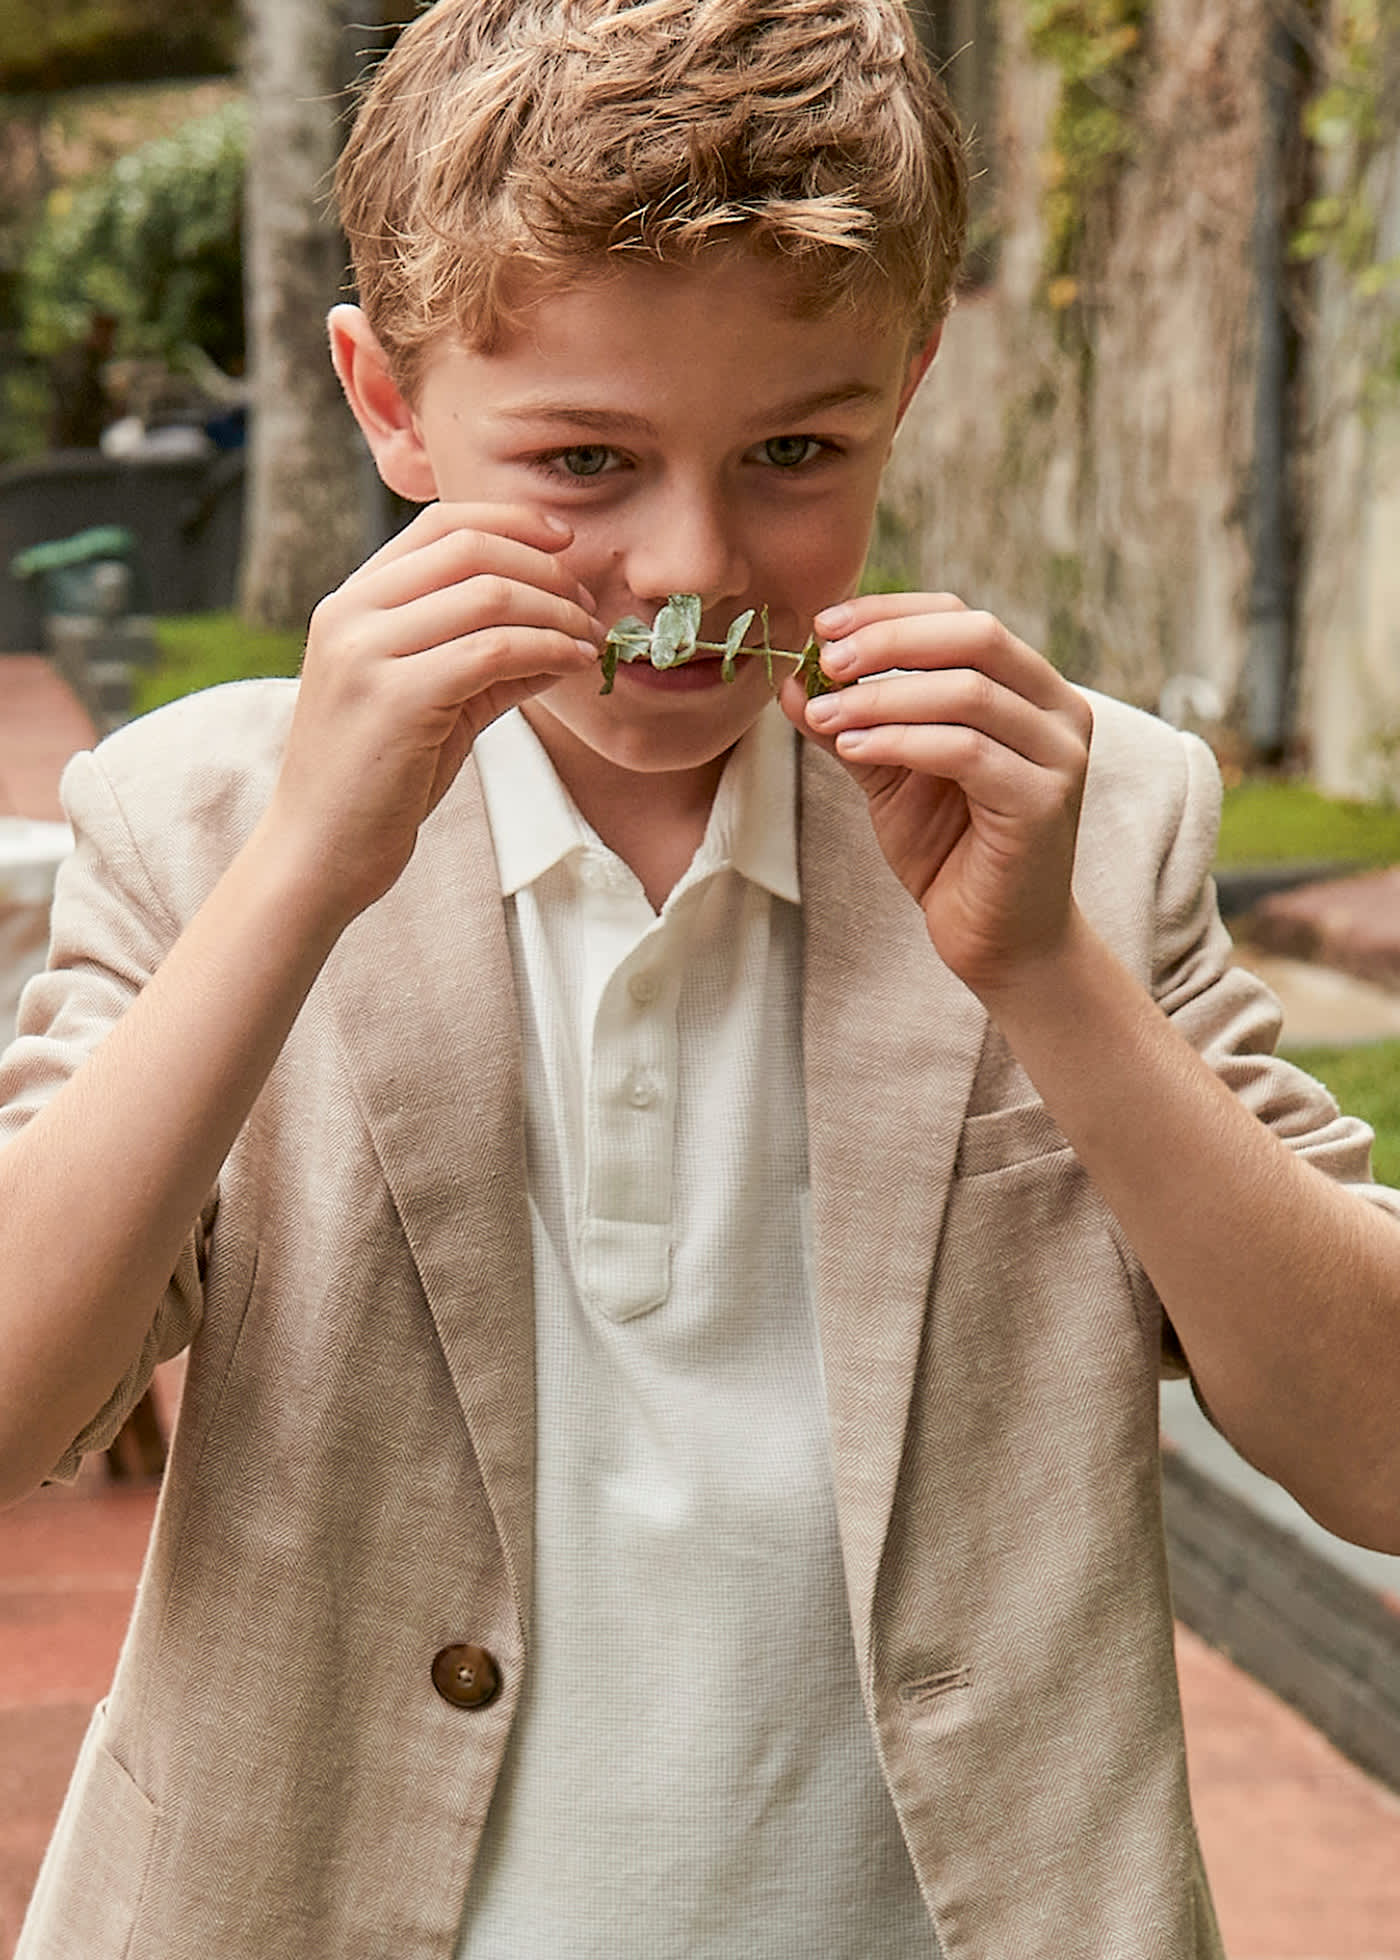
(973, 759)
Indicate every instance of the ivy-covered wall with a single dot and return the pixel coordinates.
(1350, 615)
(1095, 453)
(1080, 458)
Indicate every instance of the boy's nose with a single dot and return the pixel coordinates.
(691, 546)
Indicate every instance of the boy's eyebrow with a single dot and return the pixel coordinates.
(620, 421)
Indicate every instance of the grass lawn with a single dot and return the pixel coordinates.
(1268, 822)
(1274, 822)
(1365, 1079)
(203, 649)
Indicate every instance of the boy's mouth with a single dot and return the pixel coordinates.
(699, 671)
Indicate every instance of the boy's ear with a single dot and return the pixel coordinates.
(920, 361)
(386, 420)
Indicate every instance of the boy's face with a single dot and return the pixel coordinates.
(698, 436)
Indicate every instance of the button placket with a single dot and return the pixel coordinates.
(625, 1245)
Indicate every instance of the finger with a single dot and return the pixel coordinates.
(947, 638)
(476, 605)
(517, 521)
(452, 557)
(455, 672)
(959, 696)
(990, 775)
(832, 622)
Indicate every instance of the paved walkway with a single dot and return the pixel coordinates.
(1348, 923)
(1303, 1850)
(1321, 1005)
(41, 725)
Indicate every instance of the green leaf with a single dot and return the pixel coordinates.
(676, 630)
(630, 638)
(734, 642)
(817, 680)
(734, 638)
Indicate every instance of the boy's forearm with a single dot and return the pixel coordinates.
(1283, 1287)
(99, 1193)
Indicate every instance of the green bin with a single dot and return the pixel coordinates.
(75, 576)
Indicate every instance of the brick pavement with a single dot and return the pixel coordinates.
(41, 725)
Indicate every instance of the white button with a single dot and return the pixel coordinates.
(644, 987)
(642, 1088)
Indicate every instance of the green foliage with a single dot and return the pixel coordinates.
(1096, 46)
(674, 637)
(1266, 822)
(58, 44)
(25, 406)
(1348, 121)
(1343, 120)
(204, 649)
(1365, 1079)
(155, 242)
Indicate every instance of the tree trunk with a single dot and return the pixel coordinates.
(305, 523)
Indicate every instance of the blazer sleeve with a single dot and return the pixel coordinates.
(108, 933)
(1229, 1015)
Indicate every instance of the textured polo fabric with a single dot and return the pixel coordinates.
(691, 1772)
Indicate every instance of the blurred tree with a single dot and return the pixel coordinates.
(154, 243)
(47, 45)
(305, 523)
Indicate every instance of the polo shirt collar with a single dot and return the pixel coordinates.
(536, 825)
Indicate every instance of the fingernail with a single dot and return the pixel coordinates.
(589, 647)
(834, 620)
(823, 710)
(836, 660)
(560, 525)
(852, 738)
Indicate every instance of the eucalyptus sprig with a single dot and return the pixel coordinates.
(674, 637)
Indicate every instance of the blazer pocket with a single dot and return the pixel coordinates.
(94, 1872)
(1004, 1137)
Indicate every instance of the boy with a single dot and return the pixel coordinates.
(578, 1542)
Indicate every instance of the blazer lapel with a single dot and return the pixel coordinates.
(422, 991)
(892, 1041)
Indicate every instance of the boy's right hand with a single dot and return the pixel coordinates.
(466, 612)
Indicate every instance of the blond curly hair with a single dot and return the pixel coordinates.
(504, 141)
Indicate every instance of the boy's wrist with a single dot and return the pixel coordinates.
(288, 884)
(1043, 987)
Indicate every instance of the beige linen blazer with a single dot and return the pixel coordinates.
(350, 1489)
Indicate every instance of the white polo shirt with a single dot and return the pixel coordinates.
(691, 1773)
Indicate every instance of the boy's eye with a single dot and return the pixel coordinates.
(589, 459)
(790, 452)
